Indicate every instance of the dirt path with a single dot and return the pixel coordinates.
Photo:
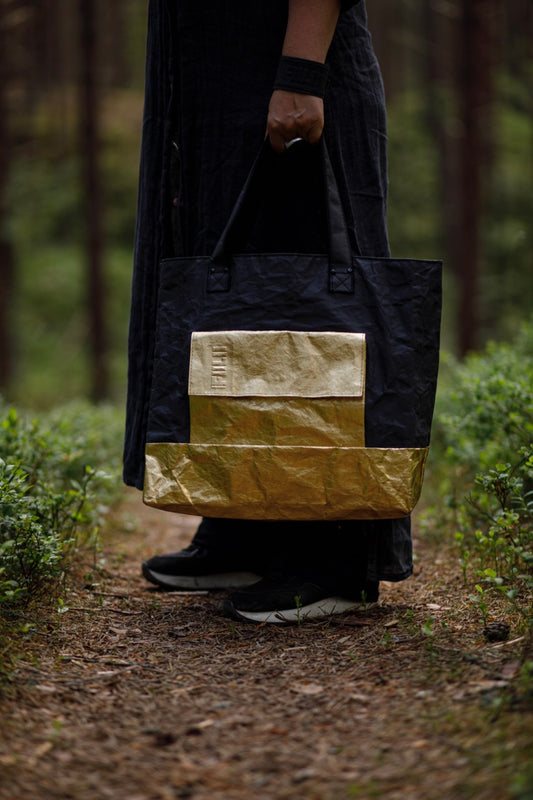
(134, 694)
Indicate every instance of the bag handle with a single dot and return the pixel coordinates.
(340, 270)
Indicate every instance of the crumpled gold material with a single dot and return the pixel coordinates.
(277, 388)
(277, 364)
(299, 483)
(320, 422)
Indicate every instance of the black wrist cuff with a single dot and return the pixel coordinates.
(302, 76)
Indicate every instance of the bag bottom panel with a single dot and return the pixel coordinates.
(274, 483)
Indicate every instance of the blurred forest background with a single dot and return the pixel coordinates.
(459, 83)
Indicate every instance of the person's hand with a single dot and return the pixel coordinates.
(291, 116)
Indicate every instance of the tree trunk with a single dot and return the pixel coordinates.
(117, 58)
(89, 141)
(387, 25)
(6, 249)
(475, 95)
(438, 68)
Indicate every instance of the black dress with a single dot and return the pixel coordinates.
(209, 74)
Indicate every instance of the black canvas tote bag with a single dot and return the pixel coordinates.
(290, 386)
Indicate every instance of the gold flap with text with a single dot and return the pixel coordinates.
(277, 364)
(277, 388)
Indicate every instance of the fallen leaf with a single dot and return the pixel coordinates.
(488, 685)
(510, 669)
(303, 775)
(200, 726)
(361, 698)
(308, 688)
(43, 749)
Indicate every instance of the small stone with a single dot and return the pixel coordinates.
(164, 738)
(497, 632)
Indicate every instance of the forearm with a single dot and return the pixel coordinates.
(310, 28)
(293, 112)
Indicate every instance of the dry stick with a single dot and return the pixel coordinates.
(104, 610)
(158, 595)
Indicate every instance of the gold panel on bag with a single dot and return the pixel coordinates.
(321, 422)
(277, 364)
(262, 482)
(277, 388)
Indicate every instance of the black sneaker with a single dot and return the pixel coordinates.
(293, 601)
(196, 567)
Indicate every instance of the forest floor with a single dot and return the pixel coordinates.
(131, 693)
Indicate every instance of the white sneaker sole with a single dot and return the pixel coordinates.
(223, 580)
(327, 607)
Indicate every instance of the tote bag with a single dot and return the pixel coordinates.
(291, 386)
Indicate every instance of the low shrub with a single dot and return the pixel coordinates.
(57, 475)
(484, 463)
